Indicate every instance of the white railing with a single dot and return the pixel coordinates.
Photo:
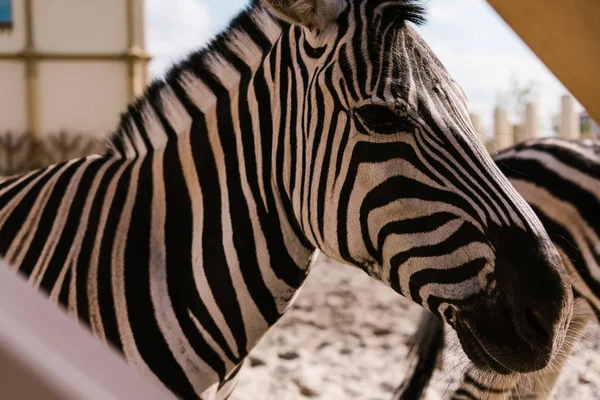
(45, 354)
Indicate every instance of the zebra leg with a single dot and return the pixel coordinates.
(539, 386)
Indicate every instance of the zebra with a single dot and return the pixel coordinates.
(561, 180)
(307, 125)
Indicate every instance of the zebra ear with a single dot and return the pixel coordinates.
(309, 13)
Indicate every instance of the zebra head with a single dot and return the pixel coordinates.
(392, 179)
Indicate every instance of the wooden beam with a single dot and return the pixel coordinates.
(565, 35)
(128, 56)
(31, 75)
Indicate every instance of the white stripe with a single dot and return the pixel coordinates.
(198, 92)
(30, 226)
(199, 374)
(174, 112)
(205, 291)
(117, 267)
(81, 231)
(92, 278)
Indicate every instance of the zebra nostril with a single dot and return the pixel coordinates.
(535, 328)
(534, 320)
(535, 323)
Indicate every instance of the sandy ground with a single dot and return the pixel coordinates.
(345, 338)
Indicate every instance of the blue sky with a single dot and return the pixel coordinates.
(480, 50)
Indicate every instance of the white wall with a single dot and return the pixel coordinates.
(82, 97)
(139, 38)
(80, 25)
(13, 115)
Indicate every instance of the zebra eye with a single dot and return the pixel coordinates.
(380, 119)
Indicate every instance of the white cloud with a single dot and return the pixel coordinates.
(174, 29)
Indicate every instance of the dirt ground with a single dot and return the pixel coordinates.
(345, 338)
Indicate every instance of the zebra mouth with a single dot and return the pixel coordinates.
(477, 352)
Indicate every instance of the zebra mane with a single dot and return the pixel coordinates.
(138, 126)
(135, 132)
(411, 11)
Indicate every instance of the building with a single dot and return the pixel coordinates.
(69, 65)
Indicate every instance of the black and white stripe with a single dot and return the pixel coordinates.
(189, 238)
(561, 181)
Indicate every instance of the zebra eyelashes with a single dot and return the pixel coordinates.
(379, 119)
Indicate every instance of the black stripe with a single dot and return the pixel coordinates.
(357, 44)
(468, 189)
(462, 394)
(243, 239)
(6, 197)
(179, 264)
(561, 236)
(182, 287)
(63, 297)
(313, 52)
(316, 135)
(20, 213)
(498, 191)
(71, 225)
(466, 234)
(47, 218)
(347, 71)
(213, 252)
(326, 163)
(571, 192)
(106, 299)
(345, 137)
(406, 226)
(569, 157)
(89, 238)
(140, 308)
(468, 379)
(455, 275)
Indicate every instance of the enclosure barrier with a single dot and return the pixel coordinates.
(45, 354)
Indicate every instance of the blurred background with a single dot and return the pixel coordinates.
(68, 68)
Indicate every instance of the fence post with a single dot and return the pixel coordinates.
(569, 121)
(531, 121)
(520, 133)
(503, 135)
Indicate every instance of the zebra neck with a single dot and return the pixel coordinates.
(197, 87)
(214, 119)
(224, 102)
